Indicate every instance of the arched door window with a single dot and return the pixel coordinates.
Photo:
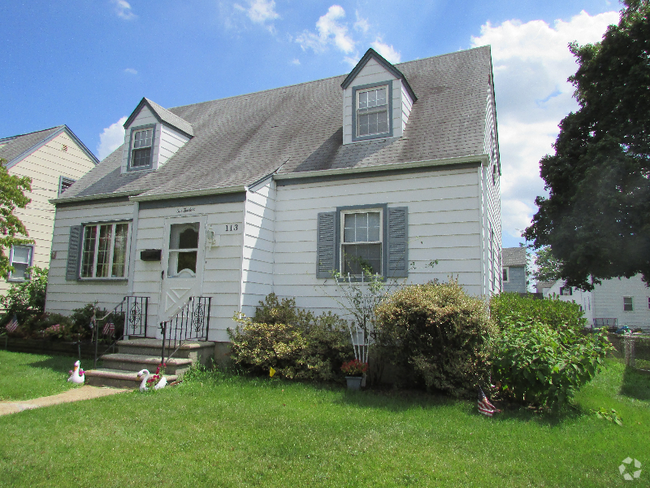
(183, 249)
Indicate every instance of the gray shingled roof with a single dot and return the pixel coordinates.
(298, 128)
(513, 256)
(15, 148)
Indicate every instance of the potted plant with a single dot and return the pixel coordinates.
(354, 371)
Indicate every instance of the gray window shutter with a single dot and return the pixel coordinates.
(326, 246)
(74, 251)
(397, 242)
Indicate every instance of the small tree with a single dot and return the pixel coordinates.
(12, 196)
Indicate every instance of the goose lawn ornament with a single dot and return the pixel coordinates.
(145, 375)
(77, 375)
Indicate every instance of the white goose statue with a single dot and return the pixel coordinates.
(77, 375)
(145, 375)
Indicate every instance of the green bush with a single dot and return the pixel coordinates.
(26, 298)
(538, 359)
(437, 335)
(509, 308)
(296, 343)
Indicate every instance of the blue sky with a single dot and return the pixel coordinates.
(87, 63)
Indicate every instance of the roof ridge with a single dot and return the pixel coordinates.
(8, 138)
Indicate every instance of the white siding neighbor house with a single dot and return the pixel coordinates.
(53, 158)
(394, 167)
(613, 303)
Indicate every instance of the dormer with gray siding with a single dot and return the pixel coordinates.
(152, 135)
(377, 100)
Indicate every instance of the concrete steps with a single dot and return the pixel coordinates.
(120, 369)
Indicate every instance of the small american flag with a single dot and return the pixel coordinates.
(484, 405)
(109, 328)
(12, 325)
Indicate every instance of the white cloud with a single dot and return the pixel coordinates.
(386, 51)
(260, 12)
(111, 138)
(361, 24)
(331, 30)
(123, 10)
(295, 62)
(531, 66)
(131, 71)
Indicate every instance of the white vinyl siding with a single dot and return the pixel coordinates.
(443, 225)
(60, 156)
(63, 296)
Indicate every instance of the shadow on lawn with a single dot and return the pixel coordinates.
(636, 384)
(59, 364)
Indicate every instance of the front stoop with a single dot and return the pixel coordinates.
(120, 369)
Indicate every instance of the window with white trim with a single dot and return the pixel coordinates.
(183, 249)
(20, 258)
(372, 107)
(566, 291)
(141, 148)
(506, 274)
(628, 305)
(104, 250)
(361, 245)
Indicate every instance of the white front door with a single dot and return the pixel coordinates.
(183, 262)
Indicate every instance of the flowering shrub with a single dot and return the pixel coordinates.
(438, 337)
(354, 368)
(55, 331)
(155, 378)
(296, 343)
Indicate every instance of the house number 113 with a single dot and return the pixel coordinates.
(232, 227)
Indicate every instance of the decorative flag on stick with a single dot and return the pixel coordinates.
(484, 405)
(109, 328)
(12, 325)
(271, 372)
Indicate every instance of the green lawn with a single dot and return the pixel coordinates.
(26, 376)
(230, 431)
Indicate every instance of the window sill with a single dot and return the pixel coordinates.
(103, 279)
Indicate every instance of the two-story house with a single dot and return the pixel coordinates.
(54, 159)
(390, 167)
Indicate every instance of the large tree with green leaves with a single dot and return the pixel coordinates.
(12, 230)
(597, 215)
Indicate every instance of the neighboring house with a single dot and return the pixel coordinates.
(614, 302)
(53, 158)
(513, 271)
(391, 167)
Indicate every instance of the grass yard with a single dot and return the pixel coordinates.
(27, 376)
(230, 431)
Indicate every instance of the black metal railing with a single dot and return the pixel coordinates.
(191, 323)
(129, 318)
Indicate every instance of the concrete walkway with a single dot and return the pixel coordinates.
(86, 392)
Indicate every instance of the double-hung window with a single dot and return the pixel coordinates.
(628, 305)
(361, 246)
(21, 259)
(363, 239)
(372, 112)
(141, 147)
(104, 250)
(505, 274)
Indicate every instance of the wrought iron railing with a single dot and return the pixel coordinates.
(129, 318)
(191, 323)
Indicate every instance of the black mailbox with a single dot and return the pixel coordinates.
(151, 254)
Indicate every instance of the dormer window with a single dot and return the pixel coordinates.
(372, 111)
(141, 148)
(373, 108)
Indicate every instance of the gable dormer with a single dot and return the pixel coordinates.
(152, 135)
(377, 100)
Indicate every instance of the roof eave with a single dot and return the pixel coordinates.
(482, 159)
